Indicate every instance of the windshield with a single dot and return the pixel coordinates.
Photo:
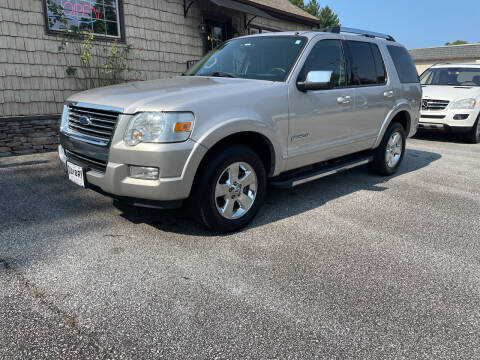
(261, 58)
(451, 76)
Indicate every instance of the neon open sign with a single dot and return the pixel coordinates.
(101, 17)
(81, 10)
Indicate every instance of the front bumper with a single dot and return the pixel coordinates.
(177, 163)
(445, 120)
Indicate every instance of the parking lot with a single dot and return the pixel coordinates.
(350, 266)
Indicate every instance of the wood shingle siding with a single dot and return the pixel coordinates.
(32, 71)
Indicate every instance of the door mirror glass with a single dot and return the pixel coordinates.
(317, 80)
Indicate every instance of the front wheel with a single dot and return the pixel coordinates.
(473, 136)
(229, 190)
(389, 154)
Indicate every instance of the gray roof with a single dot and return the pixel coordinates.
(468, 51)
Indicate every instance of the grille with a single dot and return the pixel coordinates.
(95, 126)
(91, 163)
(428, 104)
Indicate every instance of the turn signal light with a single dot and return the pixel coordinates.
(183, 126)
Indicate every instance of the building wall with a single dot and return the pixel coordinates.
(33, 81)
(277, 24)
(424, 65)
(32, 71)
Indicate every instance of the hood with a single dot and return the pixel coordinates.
(173, 94)
(450, 93)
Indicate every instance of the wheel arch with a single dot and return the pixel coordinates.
(254, 140)
(401, 113)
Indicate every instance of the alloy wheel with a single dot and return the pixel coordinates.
(394, 150)
(236, 190)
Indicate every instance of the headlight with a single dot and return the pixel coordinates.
(64, 123)
(467, 104)
(159, 127)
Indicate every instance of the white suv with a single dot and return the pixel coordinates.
(451, 97)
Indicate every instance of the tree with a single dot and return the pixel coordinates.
(313, 8)
(298, 3)
(328, 17)
(457, 42)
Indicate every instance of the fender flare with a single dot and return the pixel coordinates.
(399, 107)
(267, 131)
(224, 130)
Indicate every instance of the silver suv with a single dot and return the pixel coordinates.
(279, 108)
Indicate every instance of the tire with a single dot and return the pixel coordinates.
(388, 157)
(222, 200)
(473, 136)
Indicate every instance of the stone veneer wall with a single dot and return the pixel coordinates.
(20, 136)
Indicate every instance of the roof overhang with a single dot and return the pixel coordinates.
(245, 8)
(282, 14)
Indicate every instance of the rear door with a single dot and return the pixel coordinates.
(374, 96)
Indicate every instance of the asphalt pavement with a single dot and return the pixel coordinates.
(353, 266)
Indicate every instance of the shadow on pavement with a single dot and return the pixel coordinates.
(25, 163)
(280, 204)
(440, 136)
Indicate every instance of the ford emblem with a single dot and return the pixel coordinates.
(85, 120)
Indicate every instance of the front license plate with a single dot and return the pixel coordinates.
(75, 174)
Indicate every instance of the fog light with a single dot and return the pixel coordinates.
(145, 173)
(461, 117)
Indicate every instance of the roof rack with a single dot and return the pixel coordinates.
(339, 29)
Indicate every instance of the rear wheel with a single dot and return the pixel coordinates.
(229, 190)
(473, 135)
(389, 154)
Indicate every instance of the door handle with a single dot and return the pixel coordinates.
(388, 94)
(344, 100)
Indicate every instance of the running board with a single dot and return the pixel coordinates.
(302, 178)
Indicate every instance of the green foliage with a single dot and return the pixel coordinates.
(86, 49)
(313, 8)
(71, 70)
(328, 17)
(116, 62)
(298, 3)
(92, 62)
(457, 42)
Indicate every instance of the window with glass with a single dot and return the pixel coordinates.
(101, 17)
(456, 76)
(326, 55)
(263, 58)
(366, 63)
(407, 72)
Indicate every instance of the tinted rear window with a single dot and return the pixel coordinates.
(406, 69)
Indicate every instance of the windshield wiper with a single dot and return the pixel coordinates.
(221, 74)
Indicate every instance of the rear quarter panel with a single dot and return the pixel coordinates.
(408, 97)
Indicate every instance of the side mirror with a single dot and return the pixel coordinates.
(316, 80)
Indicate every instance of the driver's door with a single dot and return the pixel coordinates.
(320, 125)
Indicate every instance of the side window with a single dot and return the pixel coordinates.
(326, 55)
(426, 77)
(362, 63)
(406, 69)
